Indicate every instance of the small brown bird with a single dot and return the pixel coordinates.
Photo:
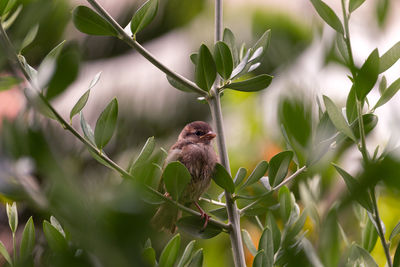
(195, 151)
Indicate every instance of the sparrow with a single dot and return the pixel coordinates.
(194, 150)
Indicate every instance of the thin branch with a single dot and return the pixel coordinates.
(146, 54)
(213, 202)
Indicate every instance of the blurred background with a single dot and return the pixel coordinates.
(39, 159)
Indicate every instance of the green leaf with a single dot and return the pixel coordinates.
(223, 179)
(55, 239)
(341, 45)
(367, 76)
(223, 59)
(396, 231)
(276, 233)
(87, 130)
(249, 243)
(257, 173)
(329, 242)
(57, 225)
(278, 167)
(337, 118)
(8, 82)
(27, 240)
(12, 215)
(176, 177)
(10, 21)
(4, 252)
(38, 103)
(260, 47)
(382, 85)
(170, 252)
(367, 258)
(106, 124)
(230, 40)
(178, 85)
(389, 58)
(80, 104)
(328, 15)
(354, 187)
(144, 155)
(297, 226)
(149, 256)
(354, 4)
(143, 16)
(351, 106)
(285, 202)
(258, 259)
(205, 71)
(369, 236)
(266, 244)
(193, 225)
(396, 259)
(194, 58)
(89, 22)
(240, 175)
(3, 5)
(197, 260)
(254, 84)
(220, 213)
(30, 36)
(388, 93)
(9, 6)
(187, 254)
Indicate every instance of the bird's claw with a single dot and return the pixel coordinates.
(203, 215)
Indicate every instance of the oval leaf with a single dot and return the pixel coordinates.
(105, 124)
(89, 22)
(176, 177)
(143, 16)
(337, 118)
(170, 252)
(351, 106)
(388, 93)
(396, 259)
(328, 15)
(270, 222)
(240, 175)
(222, 178)
(80, 104)
(382, 85)
(257, 173)
(389, 58)
(266, 244)
(144, 155)
(285, 203)
(197, 260)
(254, 84)
(396, 231)
(178, 85)
(12, 215)
(30, 36)
(230, 40)
(354, 4)
(258, 259)
(205, 71)
(369, 236)
(55, 239)
(249, 243)
(278, 167)
(367, 76)
(260, 47)
(149, 256)
(193, 225)
(187, 254)
(223, 59)
(28, 239)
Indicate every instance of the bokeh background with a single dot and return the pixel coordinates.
(38, 156)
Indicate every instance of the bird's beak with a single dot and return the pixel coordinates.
(210, 135)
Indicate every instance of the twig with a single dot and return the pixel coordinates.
(213, 202)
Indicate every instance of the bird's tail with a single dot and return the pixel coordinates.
(166, 217)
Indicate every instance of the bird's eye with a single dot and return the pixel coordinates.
(198, 133)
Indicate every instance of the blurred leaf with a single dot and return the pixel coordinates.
(354, 4)
(258, 172)
(351, 106)
(240, 175)
(55, 239)
(30, 36)
(260, 47)
(396, 259)
(223, 59)
(396, 231)
(27, 240)
(205, 72)
(87, 130)
(341, 45)
(367, 258)
(144, 155)
(278, 167)
(89, 22)
(337, 118)
(369, 236)
(249, 243)
(223, 179)
(388, 93)
(194, 58)
(197, 260)
(241, 67)
(389, 58)
(3, 5)
(10, 21)
(187, 254)
(80, 104)
(382, 85)
(297, 226)
(36, 101)
(258, 259)
(149, 256)
(57, 225)
(367, 76)
(55, 52)
(106, 124)
(354, 187)
(254, 84)
(4, 252)
(143, 16)
(370, 120)
(8, 82)
(328, 15)
(220, 213)
(32, 73)
(193, 225)
(329, 240)
(10, 5)
(170, 252)
(12, 215)
(266, 244)
(382, 10)
(176, 177)
(230, 40)
(276, 233)
(285, 202)
(178, 85)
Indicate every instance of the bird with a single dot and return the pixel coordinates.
(194, 150)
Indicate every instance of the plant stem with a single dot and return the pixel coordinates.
(347, 40)
(215, 107)
(146, 54)
(214, 202)
(14, 249)
(380, 229)
(363, 146)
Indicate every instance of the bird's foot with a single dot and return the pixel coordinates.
(203, 215)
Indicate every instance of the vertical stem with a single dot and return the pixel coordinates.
(14, 249)
(363, 145)
(215, 107)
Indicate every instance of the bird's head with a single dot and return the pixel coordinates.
(197, 132)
